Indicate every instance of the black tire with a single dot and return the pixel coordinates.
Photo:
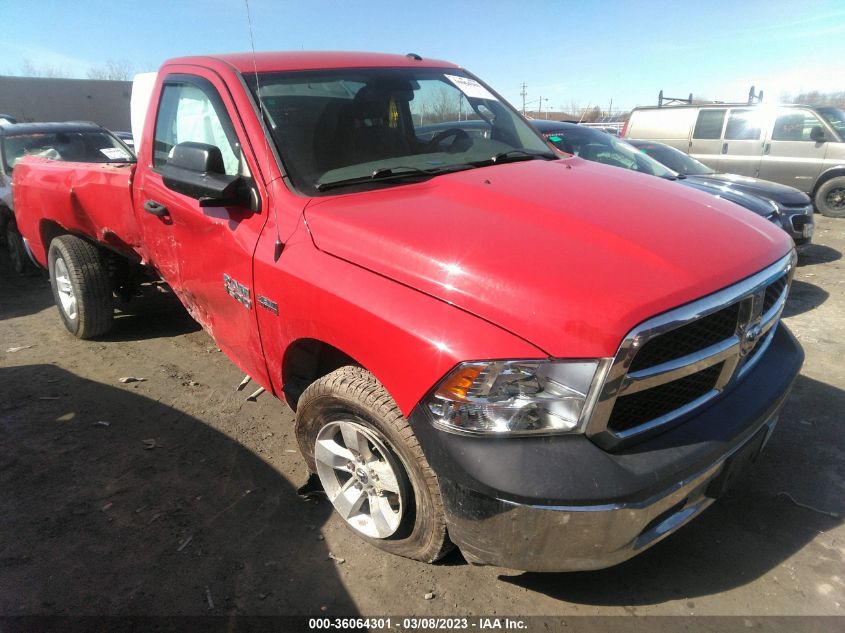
(830, 198)
(352, 393)
(89, 281)
(21, 263)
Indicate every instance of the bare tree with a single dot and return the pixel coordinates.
(115, 70)
(815, 97)
(444, 106)
(28, 69)
(574, 108)
(591, 116)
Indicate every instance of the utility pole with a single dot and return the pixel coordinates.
(540, 107)
(523, 94)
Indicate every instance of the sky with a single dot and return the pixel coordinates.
(567, 53)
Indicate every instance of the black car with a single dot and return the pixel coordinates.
(597, 146)
(794, 207)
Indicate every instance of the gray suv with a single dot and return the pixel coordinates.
(799, 146)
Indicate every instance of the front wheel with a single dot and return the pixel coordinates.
(371, 466)
(830, 198)
(81, 287)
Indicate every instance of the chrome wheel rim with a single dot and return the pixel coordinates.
(361, 477)
(67, 298)
(836, 198)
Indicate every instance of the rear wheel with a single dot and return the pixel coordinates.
(17, 251)
(81, 287)
(371, 466)
(830, 198)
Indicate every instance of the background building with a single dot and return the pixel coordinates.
(49, 99)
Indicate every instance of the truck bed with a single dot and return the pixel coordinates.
(93, 200)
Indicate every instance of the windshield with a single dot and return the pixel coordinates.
(836, 118)
(601, 147)
(344, 126)
(674, 159)
(80, 147)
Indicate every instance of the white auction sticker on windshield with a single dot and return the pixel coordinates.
(470, 87)
(114, 153)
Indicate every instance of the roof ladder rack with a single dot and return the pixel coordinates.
(661, 100)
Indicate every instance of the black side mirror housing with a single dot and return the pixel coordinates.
(196, 170)
(817, 134)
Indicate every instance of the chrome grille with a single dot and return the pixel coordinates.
(699, 334)
(674, 363)
(773, 293)
(658, 401)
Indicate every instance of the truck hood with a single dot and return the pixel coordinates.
(568, 255)
(781, 194)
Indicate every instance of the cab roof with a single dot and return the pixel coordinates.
(310, 60)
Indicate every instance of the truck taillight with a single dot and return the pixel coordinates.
(624, 130)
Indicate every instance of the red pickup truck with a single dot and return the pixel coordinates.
(548, 362)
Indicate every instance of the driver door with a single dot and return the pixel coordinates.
(204, 253)
(791, 155)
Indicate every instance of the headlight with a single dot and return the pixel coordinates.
(516, 397)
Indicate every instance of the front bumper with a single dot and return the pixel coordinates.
(560, 503)
(799, 223)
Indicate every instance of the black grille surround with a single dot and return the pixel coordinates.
(672, 364)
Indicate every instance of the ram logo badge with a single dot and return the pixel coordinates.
(237, 290)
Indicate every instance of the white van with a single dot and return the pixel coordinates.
(800, 146)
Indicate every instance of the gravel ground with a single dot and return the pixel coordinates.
(175, 496)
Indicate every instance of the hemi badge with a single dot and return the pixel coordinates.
(272, 306)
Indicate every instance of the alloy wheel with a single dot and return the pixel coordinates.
(67, 297)
(361, 477)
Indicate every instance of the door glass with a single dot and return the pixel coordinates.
(187, 113)
(743, 125)
(795, 126)
(709, 124)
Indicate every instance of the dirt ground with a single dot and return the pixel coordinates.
(175, 496)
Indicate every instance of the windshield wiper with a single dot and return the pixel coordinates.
(514, 155)
(399, 172)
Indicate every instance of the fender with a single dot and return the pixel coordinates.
(407, 339)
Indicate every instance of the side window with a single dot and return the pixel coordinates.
(188, 113)
(709, 124)
(743, 125)
(795, 126)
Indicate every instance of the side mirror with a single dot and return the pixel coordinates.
(817, 134)
(196, 170)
